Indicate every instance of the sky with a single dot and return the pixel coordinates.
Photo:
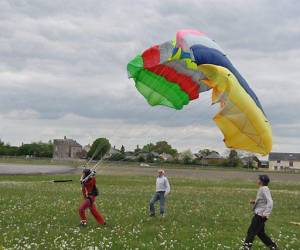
(63, 69)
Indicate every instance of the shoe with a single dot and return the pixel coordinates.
(274, 247)
(82, 224)
(162, 215)
(246, 246)
(152, 215)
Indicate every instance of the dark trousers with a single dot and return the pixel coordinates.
(257, 227)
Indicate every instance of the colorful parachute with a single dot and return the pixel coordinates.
(175, 72)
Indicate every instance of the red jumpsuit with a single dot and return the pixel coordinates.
(89, 202)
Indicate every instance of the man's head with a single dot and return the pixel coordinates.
(161, 172)
(263, 180)
(86, 172)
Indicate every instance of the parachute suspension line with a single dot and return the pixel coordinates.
(93, 170)
(205, 102)
(93, 156)
(99, 162)
(167, 118)
(156, 82)
(102, 158)
(142, 111)
(205, 99)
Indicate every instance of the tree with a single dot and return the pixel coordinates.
(160, 147)
(187, 156)
(149, 158)
(165, 147)
(233, 159)
(137, 150)
(99, 148)
(148, 148)
(37, 149)
(141, 158)
(122, 150)
(206, 152)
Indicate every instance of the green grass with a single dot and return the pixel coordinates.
(38, 214)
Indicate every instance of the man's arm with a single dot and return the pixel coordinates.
(83, 190)
(168, 188)
(268, 210)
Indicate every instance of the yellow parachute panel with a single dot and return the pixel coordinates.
(243, 124)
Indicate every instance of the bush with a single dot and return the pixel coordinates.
(233, 160)
(117, 157)
(141, 158)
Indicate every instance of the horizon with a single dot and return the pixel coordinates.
(131, 149)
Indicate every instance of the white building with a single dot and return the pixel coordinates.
(87, 148)
(166, 157)
(284, 161)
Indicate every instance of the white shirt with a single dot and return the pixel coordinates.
(263, 203)
(162, 184)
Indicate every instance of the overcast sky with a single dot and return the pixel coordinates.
(63, 68)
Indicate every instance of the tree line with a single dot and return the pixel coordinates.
(148, 153)
(35, 149)
(152, 152)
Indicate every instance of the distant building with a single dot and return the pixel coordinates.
(166, 157)
(84, 152)
(112, 152)
(130, 156)
(149, 156)
(264, 164)
(251, 161)
(66, 149)
(210, 159)
(87, 148)
(284, 161)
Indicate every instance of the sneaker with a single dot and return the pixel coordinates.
(152, 215)
(274, 247)
(246, 246)
(162, 215)
(82, 224)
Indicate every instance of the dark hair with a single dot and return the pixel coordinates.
(86, 172)
(264, 179)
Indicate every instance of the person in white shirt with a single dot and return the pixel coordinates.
(262, 208)
(162, 190)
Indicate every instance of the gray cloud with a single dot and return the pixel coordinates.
(63, 67)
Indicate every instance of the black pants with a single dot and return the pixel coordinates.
(257, 227)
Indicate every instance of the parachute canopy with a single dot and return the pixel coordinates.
(176, 72)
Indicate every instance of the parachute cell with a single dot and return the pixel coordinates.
(175, 72)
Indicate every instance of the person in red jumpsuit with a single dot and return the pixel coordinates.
(90, 192)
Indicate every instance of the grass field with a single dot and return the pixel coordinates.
(37, 214)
